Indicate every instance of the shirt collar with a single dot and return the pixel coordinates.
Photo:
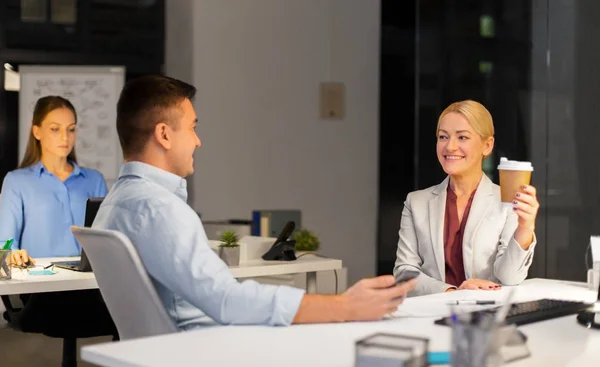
(39, 168)
(168, 180)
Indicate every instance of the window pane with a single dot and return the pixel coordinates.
(64, 11)
(33, 11)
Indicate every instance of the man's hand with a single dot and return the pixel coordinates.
(373, 298)
(369, 299)
(473, 283)
(20, 258)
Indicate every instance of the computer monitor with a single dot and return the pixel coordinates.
(92, 206)
(91, 209)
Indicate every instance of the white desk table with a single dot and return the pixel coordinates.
(556, 342)
(68, 280)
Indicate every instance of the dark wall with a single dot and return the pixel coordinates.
(397, 122)
(106, 32)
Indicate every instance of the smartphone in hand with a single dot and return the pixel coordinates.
(406, 275)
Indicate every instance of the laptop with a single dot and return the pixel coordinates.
(91, 209)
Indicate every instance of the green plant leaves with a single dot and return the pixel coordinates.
(306, 240)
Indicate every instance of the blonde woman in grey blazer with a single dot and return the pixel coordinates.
(458, 234)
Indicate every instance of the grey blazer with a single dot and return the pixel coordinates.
(489, 248)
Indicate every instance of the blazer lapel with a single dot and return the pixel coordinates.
(437, 211)
(482, 202)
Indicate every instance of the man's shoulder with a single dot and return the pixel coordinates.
(144, 198)
(139, 195)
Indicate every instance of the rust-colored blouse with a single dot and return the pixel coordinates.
(453, 239)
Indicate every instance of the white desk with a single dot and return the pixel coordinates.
(67, 280)
(63, 280)
(557, 342)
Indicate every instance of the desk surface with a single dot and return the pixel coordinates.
(66, 280)
(305, 264)
(557, 342)
(63, 280)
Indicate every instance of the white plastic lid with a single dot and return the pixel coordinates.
(505, 164)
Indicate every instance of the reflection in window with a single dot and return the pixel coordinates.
(486, 67)
(486, 26)
(33, 11)
(63, 12)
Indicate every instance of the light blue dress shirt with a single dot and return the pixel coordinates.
(149, 206)
(37, 209)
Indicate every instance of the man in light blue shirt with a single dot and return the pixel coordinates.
(156, 125)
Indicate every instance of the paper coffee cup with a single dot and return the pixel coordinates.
(513, 176)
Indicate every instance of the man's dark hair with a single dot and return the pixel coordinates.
(145, 102)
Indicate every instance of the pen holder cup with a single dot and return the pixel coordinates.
(478, 341)
(384, 349)
(5, 269)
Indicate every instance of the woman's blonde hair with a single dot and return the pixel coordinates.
(476, 114)
(43, 106)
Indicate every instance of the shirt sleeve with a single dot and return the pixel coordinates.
(176, 253)
(11, 211)
(100, 189)
(512, 262)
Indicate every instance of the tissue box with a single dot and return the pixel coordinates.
(391, 350)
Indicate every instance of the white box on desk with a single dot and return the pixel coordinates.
(253, 247)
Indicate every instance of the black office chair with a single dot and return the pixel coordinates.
(69, 315)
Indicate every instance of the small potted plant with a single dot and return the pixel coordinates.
(229, 249)
(306, 242)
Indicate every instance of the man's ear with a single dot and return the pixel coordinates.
(162, 135)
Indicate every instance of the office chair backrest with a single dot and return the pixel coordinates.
(124, 283)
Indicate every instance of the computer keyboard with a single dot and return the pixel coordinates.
(543, 309)
(527, 312)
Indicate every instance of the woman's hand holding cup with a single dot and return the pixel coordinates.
(520, 197)
(526, 206)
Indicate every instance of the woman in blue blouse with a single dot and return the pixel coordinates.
(48, 193)
(38, 204)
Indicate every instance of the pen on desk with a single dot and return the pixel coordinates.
(470, 303)
(48, 266)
